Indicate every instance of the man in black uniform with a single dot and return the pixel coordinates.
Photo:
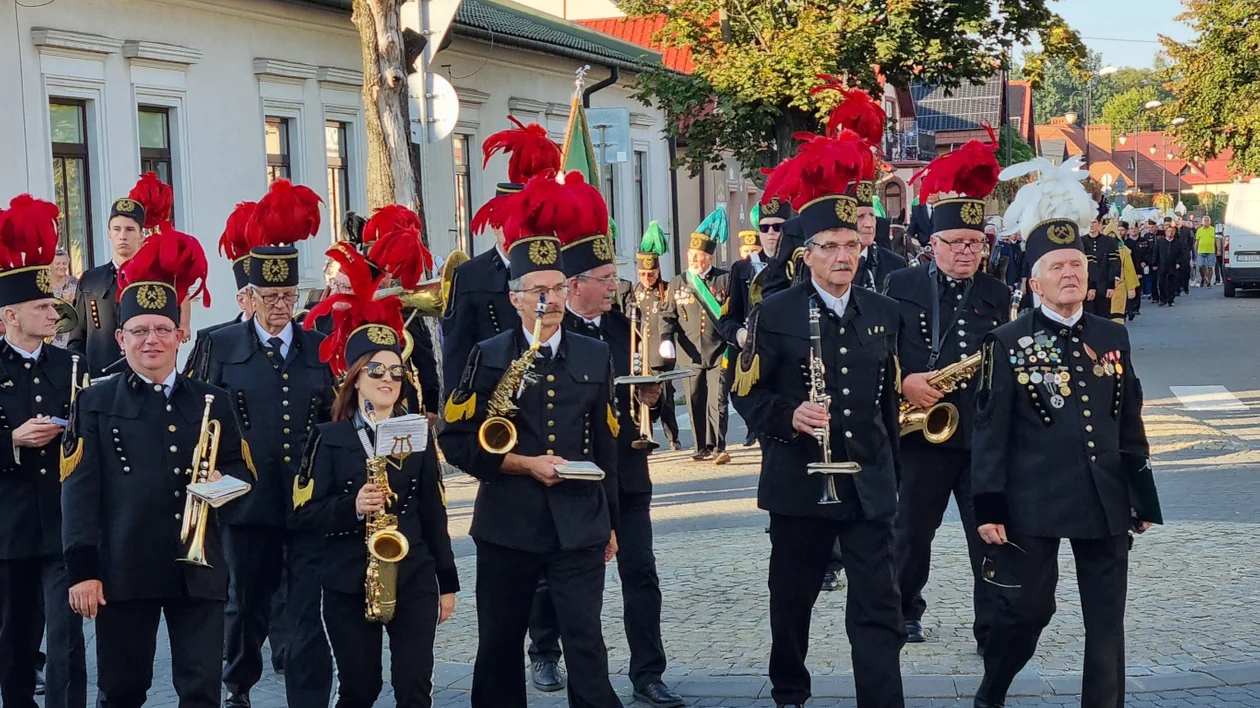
(34, 403)
(1059, 452)
(946, 309)
(235, 246)
(876, 262)
(858, 349)
(1104, 269)
(691, 314)
(122, 508)
(529, 522)
(97, 297)
(1169, 259)
(592, 272)
(649, 296)
(272, 372)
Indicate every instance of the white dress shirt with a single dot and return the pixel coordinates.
(169, 383)
(30, 356)
(1067, 321)
(553, 343)
(837, 304)
(286, 336)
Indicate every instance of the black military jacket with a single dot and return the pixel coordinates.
(987, 305)
(97, 303)
(614, 330)
(568, 413)
(1104, 262)
(478, 309)
(278, 403)
(1169, 254)
(123, 503)
(738, 305)
(30, 482)
(198, 352)
(650, 301)
(772, 380)
(699, 339)
(336, 464)
(1045, 455)
(425, 363)
(879, 263)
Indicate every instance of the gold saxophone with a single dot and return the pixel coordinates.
(940, 422)
(385, 545)
(497, 434)
(192, 532)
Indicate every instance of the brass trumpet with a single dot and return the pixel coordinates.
(429, 299)
(192, 532)
(497, 433)
(940, 422)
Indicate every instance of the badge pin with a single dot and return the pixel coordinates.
(1065, 390)
(1023, 378)
(1036, 377)
(1056, 401)
(1025, 341)
(1098, 370)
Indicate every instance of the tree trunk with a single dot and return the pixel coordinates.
(391, 178)
(791, 121)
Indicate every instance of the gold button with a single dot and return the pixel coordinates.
(174, 449)
(38, 399)
(286, 416)
(1090, 443)
(285, 377)
(551, 438)
(551, 452)
(1085, 399)
(550, 406)
(36, 379)
(286, 431)
(170, 428)
(550, 377)
(551, 424)
(551, 393)
(1088, 414)
(286, 446)
(287, 458)
(43, 471)
(1089, 428)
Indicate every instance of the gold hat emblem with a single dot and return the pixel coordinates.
(972, 213)
(846, 210)
(602, 246)
(748, 237)
(1061, 234)
(699, 242)
(43, 281)
(151, 297)
(771, 208)
(126, 206)
(275, 270)
(647, 261)
(382, 335)
(542, 253)
(866, 191)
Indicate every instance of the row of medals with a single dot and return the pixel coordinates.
(1041, 354)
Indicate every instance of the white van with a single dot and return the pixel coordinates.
(1241, 263)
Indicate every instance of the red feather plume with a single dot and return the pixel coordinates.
(28, 232)
(354, 309)
(287, 214)
(169, 256)
(544, 207)
(858, 112)
(387, 219)
(401, 253)
(235, 243)
(822, 166)
(970, 171)
(493, 213)
(592, 210)
(532, 152)
(157, 198)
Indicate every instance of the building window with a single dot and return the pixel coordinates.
(893, 203)
(640, 195)
(155, 142)
(610, 190)
(68, 123)
(1130, 163)
(338, 153)
(463, 192)
(278, 164)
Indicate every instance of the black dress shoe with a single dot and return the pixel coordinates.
(702, 455)
(40, 687)
(831, 581)
(914, 632)
(658, 694)
(236, 700)
(547, 676)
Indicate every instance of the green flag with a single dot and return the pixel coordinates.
(879, 208)
(579, 152)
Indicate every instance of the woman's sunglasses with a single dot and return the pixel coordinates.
(377, 370)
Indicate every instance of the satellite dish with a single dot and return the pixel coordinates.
(435, 110)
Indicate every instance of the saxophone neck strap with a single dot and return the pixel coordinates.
(937, 339)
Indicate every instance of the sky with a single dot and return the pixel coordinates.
(1125, 31)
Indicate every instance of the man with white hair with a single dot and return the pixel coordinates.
(1058, 452)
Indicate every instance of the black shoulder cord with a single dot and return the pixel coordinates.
(937, 340)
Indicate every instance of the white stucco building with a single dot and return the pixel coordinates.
(220, 96)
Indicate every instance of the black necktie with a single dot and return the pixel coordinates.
(274, 344)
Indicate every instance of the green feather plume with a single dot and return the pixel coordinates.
(612, 229)
(754, 216)
(654, 240)
(714, 225)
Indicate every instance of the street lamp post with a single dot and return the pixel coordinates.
(1137, 127)
(1071, 116)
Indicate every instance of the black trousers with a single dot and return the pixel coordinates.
(800, 547)
(929, 474)
(1101, 304)
(544, 627)
(126, 640)
(1102, 568)
(666, 413)
(1168, 284)
(308, 678)
(506, 580)
(255, 556)
(356, 645)
(25, 585)
(707, 404)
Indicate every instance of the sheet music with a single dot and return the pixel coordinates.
(402, 436)
(218, 493)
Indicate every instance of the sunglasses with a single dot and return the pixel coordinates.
(767, 228)
(377, 370)
(989, 571)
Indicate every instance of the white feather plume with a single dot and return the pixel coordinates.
(1057, 192)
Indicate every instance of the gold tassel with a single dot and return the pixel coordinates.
(897, 371)
(456, 412)
(69, 463)
(302, 492)
(613, 426)
(249, 459)
(442, 491)
(745, 378)
(726, 307)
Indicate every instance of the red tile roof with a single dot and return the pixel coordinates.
(640, 31)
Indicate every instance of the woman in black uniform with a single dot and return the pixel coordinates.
(333, 494)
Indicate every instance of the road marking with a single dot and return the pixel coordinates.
(1207, 398)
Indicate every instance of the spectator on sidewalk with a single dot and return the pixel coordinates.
(1205, 240)
(1220, 251)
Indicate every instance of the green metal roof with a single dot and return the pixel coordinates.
(512, 24)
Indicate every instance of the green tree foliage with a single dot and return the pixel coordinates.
(1062, 90)
(1164, 201)
(756, 61)
(1190, 199)
(1010, 143)
(1125, 111)
(1216, 81)
(1140, 200)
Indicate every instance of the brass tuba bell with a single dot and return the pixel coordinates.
(429, 298)
(67, 316)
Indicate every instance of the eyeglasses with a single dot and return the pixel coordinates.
(767, 228)
(275, 298)
(988, 569)
(961, 246)
(830, 249)
(162, 331)
(606, 280)
(377, 370)
(558, 291)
